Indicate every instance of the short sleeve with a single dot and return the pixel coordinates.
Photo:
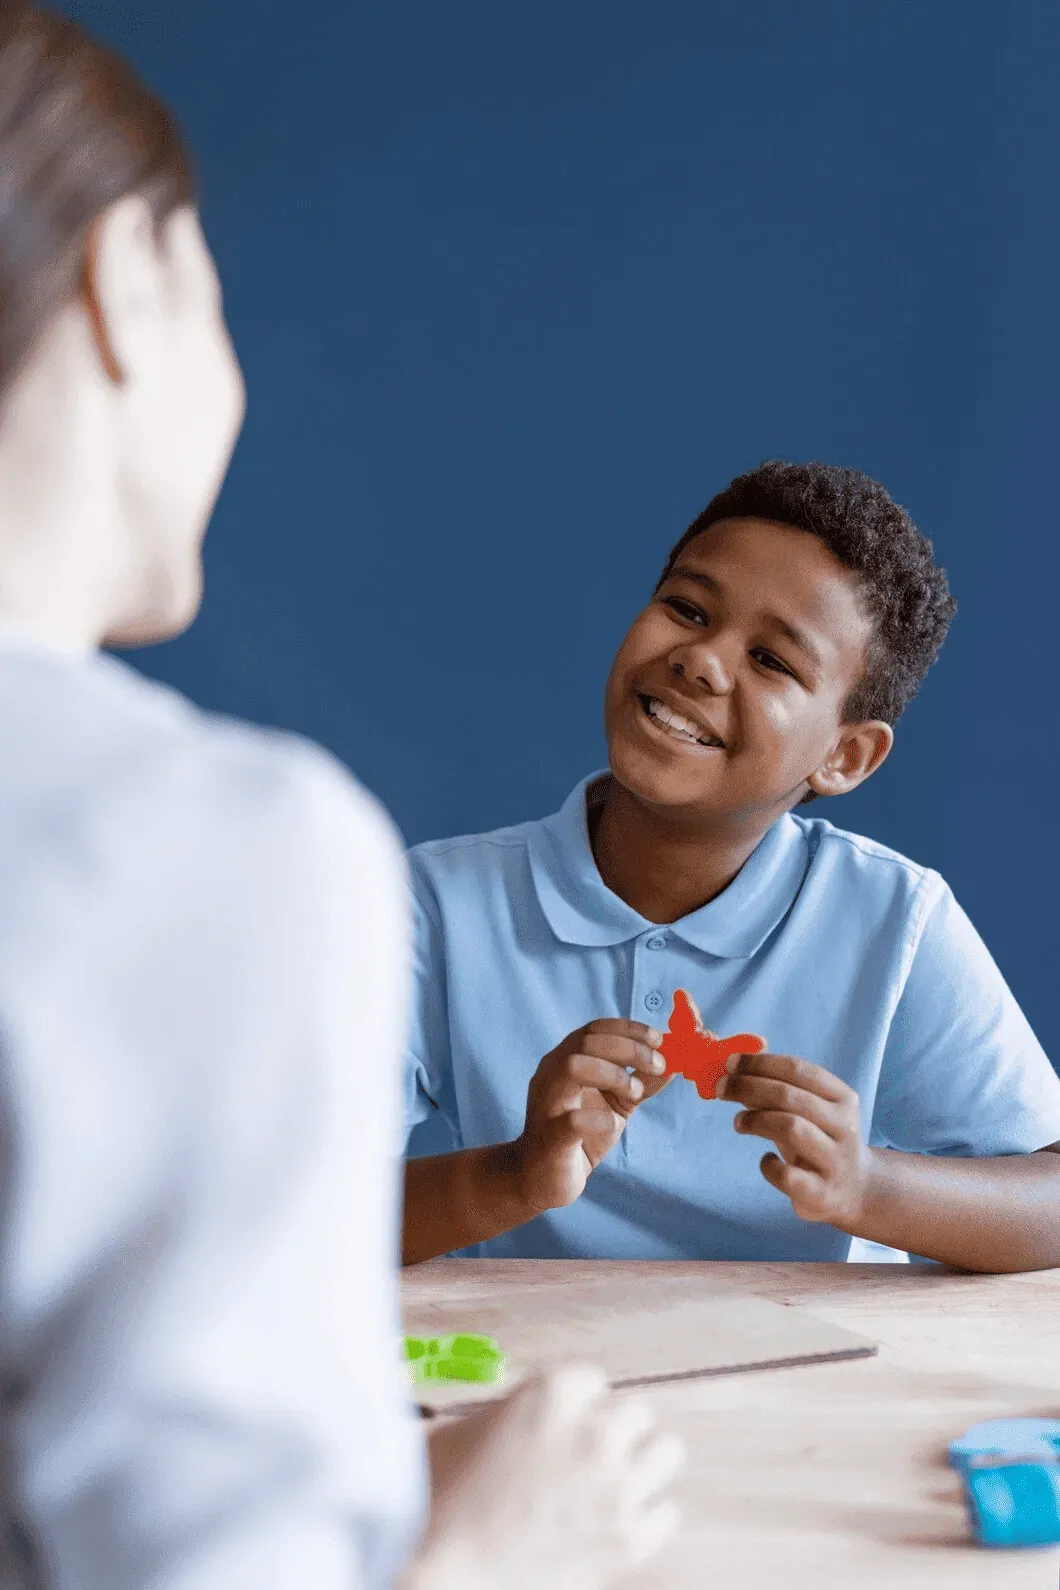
(963, 1073)
(428, 1073)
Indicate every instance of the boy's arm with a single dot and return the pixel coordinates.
(578, 1102)
(995, 1214)
(455, 1200)
(965, 1103)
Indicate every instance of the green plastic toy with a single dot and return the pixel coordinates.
(468, 1358)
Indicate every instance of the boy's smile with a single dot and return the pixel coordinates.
(726, 697)
(676, 721)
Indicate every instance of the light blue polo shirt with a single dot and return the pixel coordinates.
(833, 947)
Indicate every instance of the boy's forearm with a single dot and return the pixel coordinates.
(994, 1215)
(453, 1200)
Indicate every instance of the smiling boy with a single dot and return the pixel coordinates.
(906, 1099)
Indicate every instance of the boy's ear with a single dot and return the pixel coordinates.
(861, 749)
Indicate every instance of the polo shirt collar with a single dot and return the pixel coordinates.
(581, 909)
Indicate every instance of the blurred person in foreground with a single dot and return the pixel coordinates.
(203, 968)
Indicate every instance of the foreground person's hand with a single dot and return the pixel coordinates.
(559, 1486)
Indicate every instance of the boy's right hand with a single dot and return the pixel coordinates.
(578, 1103)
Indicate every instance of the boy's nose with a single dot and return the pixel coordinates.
(703, 665)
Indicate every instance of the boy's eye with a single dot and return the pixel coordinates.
(686, 609)
(767, 659)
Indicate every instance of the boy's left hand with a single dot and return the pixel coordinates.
(815, 1121)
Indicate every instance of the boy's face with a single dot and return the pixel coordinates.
(756, 637)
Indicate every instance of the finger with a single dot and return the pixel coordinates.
(656, 1467)
(789, 1068)
(654, 1085)
(652, 1531)
(623, 1051)
(803, 1187)
(769, 1093)
(628, 1421)
(796, 1138)
(639, 1031)
(573, 1126)
(567, 1391)
(562, 1094)
(606, 1077)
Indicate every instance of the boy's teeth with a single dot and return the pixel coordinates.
(673, 720)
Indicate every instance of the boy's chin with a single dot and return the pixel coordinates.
(649, 779)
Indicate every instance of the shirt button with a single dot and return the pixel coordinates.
(653, 1000)
(658, 942)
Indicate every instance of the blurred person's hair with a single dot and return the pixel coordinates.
(78, 132)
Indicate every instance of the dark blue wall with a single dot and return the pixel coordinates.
(518, 286)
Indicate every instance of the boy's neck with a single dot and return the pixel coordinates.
(663, 871)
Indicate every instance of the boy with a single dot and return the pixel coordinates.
(904, 1093)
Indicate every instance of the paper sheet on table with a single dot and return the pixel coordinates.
(639, 1329)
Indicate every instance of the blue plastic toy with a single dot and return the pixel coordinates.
(1011, 1474)
(1029, 1438)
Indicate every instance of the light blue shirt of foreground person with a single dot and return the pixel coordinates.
(834, 948)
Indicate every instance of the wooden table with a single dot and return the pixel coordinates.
(835, 1475)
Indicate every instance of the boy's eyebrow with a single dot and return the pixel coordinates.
(685, 571)
(798, 637)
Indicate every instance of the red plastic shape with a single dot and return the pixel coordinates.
(691, 1052)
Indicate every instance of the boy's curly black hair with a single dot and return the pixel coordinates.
(904, 591)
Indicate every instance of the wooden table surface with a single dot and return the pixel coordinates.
(835, 1475)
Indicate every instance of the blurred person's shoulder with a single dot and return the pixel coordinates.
(227, 773)
(130, 758)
